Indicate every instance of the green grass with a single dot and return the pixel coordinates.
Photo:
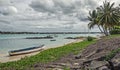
(112, 54)
(46, 56)
(112, 36)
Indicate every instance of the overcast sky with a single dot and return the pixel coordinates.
(46, 15)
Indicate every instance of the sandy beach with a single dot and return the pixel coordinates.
(6, 58)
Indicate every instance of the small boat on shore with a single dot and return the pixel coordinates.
(26, 50)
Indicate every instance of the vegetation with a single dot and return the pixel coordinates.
(116, 30)
(105, 17)
(89, 38)
(112, 36)
(46, 56)
(112, 54)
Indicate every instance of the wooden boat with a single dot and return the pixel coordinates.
(53, 40)
(25, 50)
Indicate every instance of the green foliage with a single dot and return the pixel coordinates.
(89, 38)
(105, 17)
(66, 68)
(45, 56)
(112, 54)
(116, 30)
(93, 16)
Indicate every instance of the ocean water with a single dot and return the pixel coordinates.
(17, 41)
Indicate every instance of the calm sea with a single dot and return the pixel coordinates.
(17, 41)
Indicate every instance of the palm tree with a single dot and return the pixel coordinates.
(93, 17)
(108, 17)
(105, 17)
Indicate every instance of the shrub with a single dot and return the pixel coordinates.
(89, 38)
(116, 30)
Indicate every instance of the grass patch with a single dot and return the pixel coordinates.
(66, 68)
(45, 56)
(112, 54)
(112, 36)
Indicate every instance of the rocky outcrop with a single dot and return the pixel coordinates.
(92, 58)
(47, 37)
(96, 55)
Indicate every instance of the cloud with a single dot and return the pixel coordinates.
(6, 8)
(4, 2)
(65, 7)
(4, 21)
(43, 5)
(53, 6)
(46, 15)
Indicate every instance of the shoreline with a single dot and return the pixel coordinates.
(74, 41)
(8, 58)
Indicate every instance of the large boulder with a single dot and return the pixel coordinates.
(95, 65)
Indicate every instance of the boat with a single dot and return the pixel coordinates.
(25, 50)
(55, 35)
(53, 40)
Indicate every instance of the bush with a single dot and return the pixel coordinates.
(115, 31)
(89, 38)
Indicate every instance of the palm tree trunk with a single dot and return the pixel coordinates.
(100, 29)
(105, 31)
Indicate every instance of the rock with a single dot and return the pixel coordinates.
(57, 69)
(78, 56)
(97, 64)
(76, 64)
(63, 64)
(54, 66)
(75, 67)
(116, 63)
(91, 58)
(104, 68)
(92, 53)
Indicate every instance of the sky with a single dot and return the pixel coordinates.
(47, 15)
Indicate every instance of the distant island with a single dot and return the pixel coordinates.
(3, 32)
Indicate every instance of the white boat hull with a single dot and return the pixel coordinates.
(25, 52)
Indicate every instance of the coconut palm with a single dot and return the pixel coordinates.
(108, 17)
(105, 17)
(93, 17)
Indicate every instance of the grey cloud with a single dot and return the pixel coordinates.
(6, 8)
(45, 15)
(69, 23)
(69, 27)
(42, 5)
(65, 7)
(4, 21)
(4, 2)
(6, 27)
(53, 6)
